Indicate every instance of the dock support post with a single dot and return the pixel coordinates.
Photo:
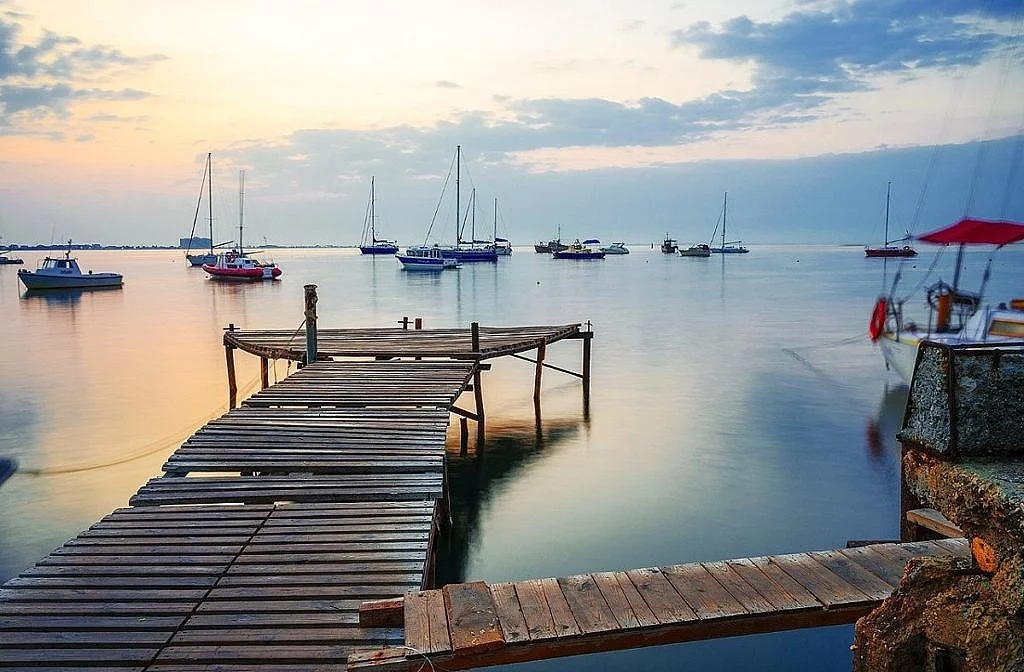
(586, 367)
(418, 324)
(404, 322)
(463, 437)
(229, 356)
(478, 392)
(542, 349)
(310, 300)
(264, 373)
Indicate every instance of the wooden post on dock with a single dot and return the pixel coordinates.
(310, 297)
(478, 392)
(404, 322)
(542, 349)
(587, 336)
(264, 373)
(229, 356)
(418, 323)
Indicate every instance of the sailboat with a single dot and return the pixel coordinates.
(236, 264)
(733, 246)
(502, 247)
(887, 249)
(466, 250)
(200, 258)
(370, 243)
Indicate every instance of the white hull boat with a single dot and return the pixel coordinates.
(65, 273)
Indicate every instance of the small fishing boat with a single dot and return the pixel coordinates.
(669, 245)
(888, 249)
(580, 251)
(236, 264)
(698, 250)
(615, 248)
(426, 258)
(371, 244)
(65, 273)
(553, 245)
(955, 316)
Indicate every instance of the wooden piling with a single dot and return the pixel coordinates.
(310, 313)
(229, 356)
(478, 393)
(418, 324)
(587, 336)
(264, 373)
(542, 349)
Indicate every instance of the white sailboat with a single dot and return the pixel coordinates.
(197, 259)
(732, 246)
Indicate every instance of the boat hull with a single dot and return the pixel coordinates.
(197, 260)
(474, 255)
(421, 264)
(261, 273)
(578, 256)
(877, 252)
(378, 249)
(33, 280)
(10, 260)
(730, 250)
(900, 353)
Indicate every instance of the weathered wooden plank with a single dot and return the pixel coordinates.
(877, 563)
(561, 614)
(702, 592)
(83, 638)
(625, 602)
(664, 602)
(426, 622)
(831, 590)
(509, 612)
(752, 601)
(94, 621)
(777, 586)
(851, 572)
(539, 623)
(589, 608)
(472, 618)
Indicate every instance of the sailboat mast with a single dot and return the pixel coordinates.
(209, 195)
(888, 187)
(458, 176)
(472, 226)
(495, 236)
(725, 210)
(373, 230)
(241, 208)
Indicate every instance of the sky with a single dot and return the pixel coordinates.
(621, 120)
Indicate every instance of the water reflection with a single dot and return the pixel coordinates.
(882, 427)
(63, 297)
(477, 475)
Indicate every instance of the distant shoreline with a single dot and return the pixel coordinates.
(97, 246)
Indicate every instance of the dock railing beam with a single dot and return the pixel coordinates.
(310, 314)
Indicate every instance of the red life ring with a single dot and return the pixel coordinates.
(877, 323)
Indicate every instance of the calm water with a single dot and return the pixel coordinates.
(737, 408)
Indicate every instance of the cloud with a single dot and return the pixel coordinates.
(444, 84)
(46, 76)
(826, 52)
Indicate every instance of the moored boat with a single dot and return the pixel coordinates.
(732, 246)
(370, 243)
(698, 250)
(580, 251)
(236, 264)
(615, 248)
(426, 258)
(65, 273)
(4, 259)
(197, 259)
(888, 249)
(669, 245)
(955, 316)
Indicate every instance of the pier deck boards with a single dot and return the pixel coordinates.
(398, 342)
(216, 587)
(472, 625)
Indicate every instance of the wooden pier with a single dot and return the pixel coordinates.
(297, 532)
(470, 625)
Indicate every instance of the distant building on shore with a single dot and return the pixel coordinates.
(197, 243)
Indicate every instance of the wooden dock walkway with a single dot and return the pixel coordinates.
(270, 528)
(472, 625)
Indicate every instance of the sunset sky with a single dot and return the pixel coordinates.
(616, 119)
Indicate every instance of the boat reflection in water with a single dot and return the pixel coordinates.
(882, 428)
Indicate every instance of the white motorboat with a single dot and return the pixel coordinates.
(955, 316)
(65, 273)
(426, 258)
(615, 248)
(698, 250)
